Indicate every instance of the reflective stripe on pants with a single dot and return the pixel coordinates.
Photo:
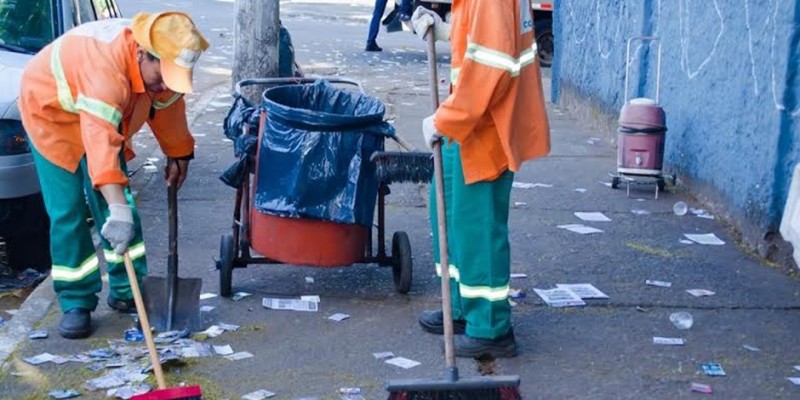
(478, 246)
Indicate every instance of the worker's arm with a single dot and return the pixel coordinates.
(489, 65)
(171, 130)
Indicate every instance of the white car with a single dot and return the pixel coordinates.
(27, 26)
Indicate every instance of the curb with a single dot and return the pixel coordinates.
(35, 307)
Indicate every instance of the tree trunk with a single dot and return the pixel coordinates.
(256, 42)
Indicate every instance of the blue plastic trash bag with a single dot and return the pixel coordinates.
(244, 143)
(314, 160)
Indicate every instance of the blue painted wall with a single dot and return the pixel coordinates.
(729, 86)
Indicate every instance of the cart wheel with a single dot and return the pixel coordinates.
(401, 265)
(615, 182)
(225, 265)
(661, 185)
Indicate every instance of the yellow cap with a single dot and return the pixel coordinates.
(174, 39)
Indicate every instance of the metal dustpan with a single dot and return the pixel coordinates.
(172, 303)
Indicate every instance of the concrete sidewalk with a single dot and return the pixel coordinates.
(600, 351)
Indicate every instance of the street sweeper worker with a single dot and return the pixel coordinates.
(82, 98)
(493, 120)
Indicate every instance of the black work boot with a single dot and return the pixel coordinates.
(75, 324)
(373, 46)
(123, 306)
(432, 321)
(503, 347)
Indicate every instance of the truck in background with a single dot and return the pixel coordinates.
(542, 17)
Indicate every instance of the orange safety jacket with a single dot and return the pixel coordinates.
(84, 94)
(496, 110)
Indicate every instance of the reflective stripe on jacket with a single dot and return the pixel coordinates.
(496, 110)
(84, 89)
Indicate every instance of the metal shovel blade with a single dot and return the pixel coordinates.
(185, 303)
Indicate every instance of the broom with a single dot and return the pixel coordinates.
(402, 166)
(451, 387)
(163, 392)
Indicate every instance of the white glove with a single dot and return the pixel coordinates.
(118, 229)
(424, 18)
(429, 131)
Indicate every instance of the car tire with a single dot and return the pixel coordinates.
(545, 42)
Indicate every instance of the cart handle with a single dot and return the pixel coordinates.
(643, 39)
(237, 92)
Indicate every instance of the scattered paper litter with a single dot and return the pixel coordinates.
(205, 296)
(753, 348)
(580, 190)
(525, 185)
(651, 282)
(228, 327)
(309, 279)
(516, 294)
(668, 341)
(313, 299)
(706, 239)
(402, 362)
(350, 390)
(207, 308)
(592, 216)
(794, 379)
(40, 359)
(701, 388)
(239, 356)
(383, 355)
(686, 241)
(149, 168)
(638, 211)
(520, 204)
(240, 295)
(706, 216)
(290, 304)
(38, 334)
(582, 229)
(608, 184)
(107, 381)
(258, 395)
(713, 369)
(338, 317)
(12, 312)
(128, 391)
(63, 394)
(516, 275)
(583, 290)
(700, 292)
(559, 297)
(213, 331)
(225, 350)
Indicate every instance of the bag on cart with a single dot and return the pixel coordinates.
(314, 160)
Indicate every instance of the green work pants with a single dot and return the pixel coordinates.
(76, 273)
(478, 247)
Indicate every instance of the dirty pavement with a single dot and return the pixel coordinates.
(665, 303)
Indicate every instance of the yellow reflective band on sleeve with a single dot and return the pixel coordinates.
(136, 251)
(159, 105)
(454, 75)
(497, 59)
(453, 270)
(67, 274)
(64, 93)
(483, 292)
(99, 109)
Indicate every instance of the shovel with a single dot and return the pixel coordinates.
(173, 303)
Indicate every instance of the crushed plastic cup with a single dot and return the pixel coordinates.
(682, 320)
(680, 208)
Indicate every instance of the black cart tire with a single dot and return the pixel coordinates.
(544, 42)
(614, 182)
(662, 185)
(402, 263)
(225, 265)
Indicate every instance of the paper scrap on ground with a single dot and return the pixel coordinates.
(338, 317)
(701, 388)
(38, 334)
(525, 185)
(592, 216)
(516, 294)
(651, 282)
(700, 292)
(794, 379)
(559, 297)
(520, 204)
(40, 359)
(582, 229)
(686, 241)
(516, 275)
(205, 296)
(604, 183)
(383, 355)
(258, 395)
(706, 239)
(402, 362)
(207, 308)
(713, 369)
(313, 299)
(63, 394)
(289, 304)
(753, 348)
(580, 190)
(583, 290)
(668, 341)
(107, 381)
(309, 279)
(350, 390)
(637, 211)
(223, 350)
(239, 356)
(240, 295)
(797, 367)
(228, 327)
(213, 331)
